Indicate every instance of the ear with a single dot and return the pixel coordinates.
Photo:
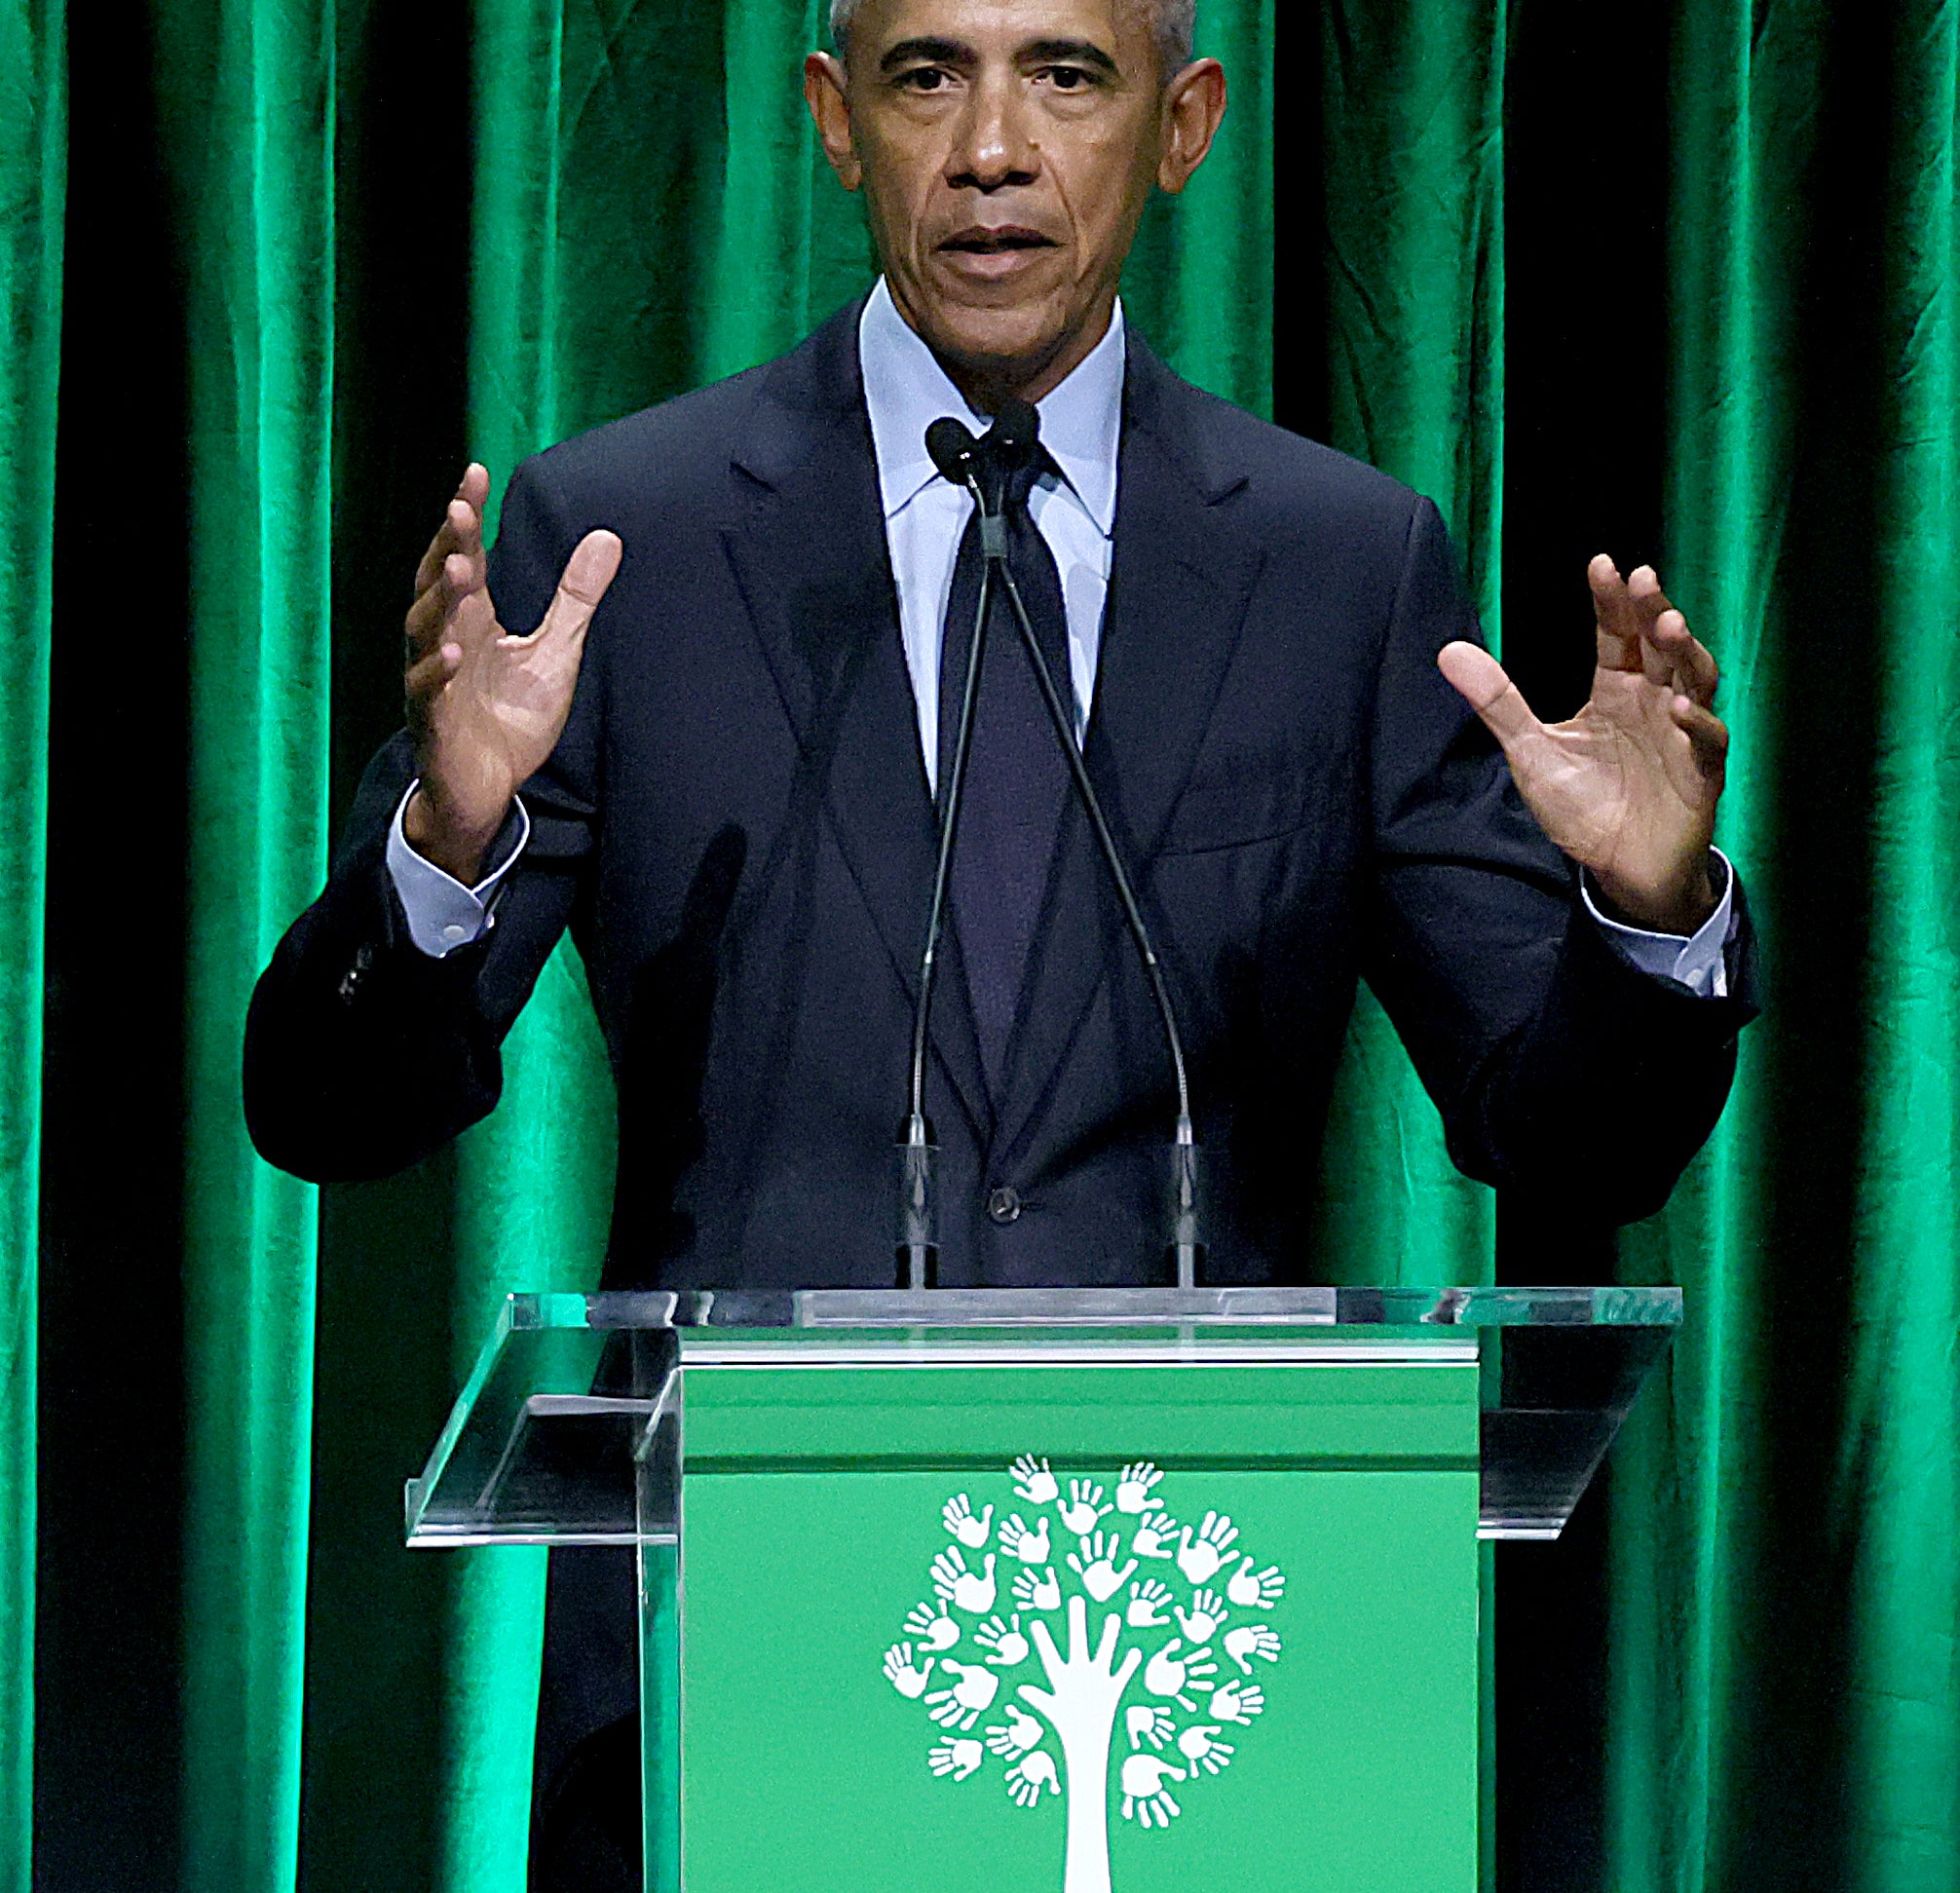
(823, 91)
(1194, 104)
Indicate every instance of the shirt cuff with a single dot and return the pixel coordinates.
(1700, 963)
(442, 914)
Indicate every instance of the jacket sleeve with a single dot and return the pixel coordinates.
(363, 1054)
(1559, 1069)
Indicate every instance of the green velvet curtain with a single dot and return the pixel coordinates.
(33, 153)
(625, 203)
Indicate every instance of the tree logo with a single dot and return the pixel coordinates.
(1185, 1620)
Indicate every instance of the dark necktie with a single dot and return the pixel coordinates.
(1017, 779)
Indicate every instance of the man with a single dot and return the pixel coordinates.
(734, 715)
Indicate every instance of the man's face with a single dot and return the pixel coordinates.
(1006, 149)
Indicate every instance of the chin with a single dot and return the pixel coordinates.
(984, 336)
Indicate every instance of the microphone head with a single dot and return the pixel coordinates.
(1015, 431)
(952, 449)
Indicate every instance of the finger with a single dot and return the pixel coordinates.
(1704, 729)
(464, 514)
(591, 568)
(426, 678)
(1617, 623)
(1646, 601)
(1480, 681)
(1692, 669)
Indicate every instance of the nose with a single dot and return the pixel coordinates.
(993, 146)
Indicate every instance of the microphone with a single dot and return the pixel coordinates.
(981, 467)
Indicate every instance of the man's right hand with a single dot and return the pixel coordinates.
(485, 708)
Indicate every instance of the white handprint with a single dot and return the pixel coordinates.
(1252, 1640)
(1154, 1536)
(1199, 1562)
(1019, 1733)
(1030, 1775)
(1099, 1577)
(1145, 1721)
(905, 1676)
(1133, 1488)
(1145, 1610)
(1167, 1673)
(1003, 1642)
(960, 1586)
(958, 1518)
(1084, 1508)
(1033, 1483)
(934, 1627)
(956, 1759)
(959, 1707)
(1237, 1702)
(1030, 1546)
(1199, 1747)
(1037, 1590)
(1263, 1590)
(1201, 1621)
(1145, 1801)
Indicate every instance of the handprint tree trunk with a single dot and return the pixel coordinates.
(1080, 1704)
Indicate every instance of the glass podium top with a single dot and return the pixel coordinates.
(576, 1396)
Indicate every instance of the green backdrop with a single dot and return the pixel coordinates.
(547, 213)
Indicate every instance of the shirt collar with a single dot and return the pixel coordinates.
(906, 390)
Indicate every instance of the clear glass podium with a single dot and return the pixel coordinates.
(1071, 1591)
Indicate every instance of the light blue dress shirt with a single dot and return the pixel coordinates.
(905, 390)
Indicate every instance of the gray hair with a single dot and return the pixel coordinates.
(1177, 25)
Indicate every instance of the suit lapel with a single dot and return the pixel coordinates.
(806, 539)
(1180, 580)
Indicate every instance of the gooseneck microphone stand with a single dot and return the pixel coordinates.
(958, 456)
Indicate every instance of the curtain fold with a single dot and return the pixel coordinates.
(255, 209)
(33, 160)
(1412, 120)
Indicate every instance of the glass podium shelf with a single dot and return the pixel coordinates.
(570, 1430)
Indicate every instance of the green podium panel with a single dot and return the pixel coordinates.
(1055, 1591)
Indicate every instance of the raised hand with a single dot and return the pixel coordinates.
(1197, 1746)
(1145, 1610)
(1099, 1574)
(932, 1626)
(958, 1518)
(1199, 1558)
(1003, 1642)
(1154, 1536)
(1084, 1508)
(1133, 1488)
(1016, 1736)
(1037, 1590)
(1030, 1545)
(1145, 1721)
(956, 1759)
(1201, 1621)
(1237, 1702)
(1030, 1775)
(485, 708)
(905, 1676)
(1084, 1687)
(1248, 1640)
(1167, 1673)
(1033, 1483)
(957, 1585)
(1260, 1592)
(961, 1706)
(1628, 787)
(1145, 1799)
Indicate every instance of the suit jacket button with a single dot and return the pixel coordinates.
(1004, 1205)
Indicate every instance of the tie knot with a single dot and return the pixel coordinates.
(1010, 468)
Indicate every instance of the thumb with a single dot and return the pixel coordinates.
(591, 568)
(1480, 679)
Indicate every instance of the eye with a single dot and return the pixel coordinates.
(1069, 77)
(923, 79)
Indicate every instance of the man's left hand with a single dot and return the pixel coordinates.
(1628, 787)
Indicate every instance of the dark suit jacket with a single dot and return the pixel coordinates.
(736, 827)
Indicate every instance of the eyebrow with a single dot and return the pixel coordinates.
(957, 52)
